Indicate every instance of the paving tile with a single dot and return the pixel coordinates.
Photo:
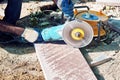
(62, 62)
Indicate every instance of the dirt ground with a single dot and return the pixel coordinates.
(19, 61)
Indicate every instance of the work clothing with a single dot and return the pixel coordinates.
(12, 11)
(67, 7)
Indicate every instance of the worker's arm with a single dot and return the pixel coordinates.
(29, 35)
(67, 7)
(4, 27)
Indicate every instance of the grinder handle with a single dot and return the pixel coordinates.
(82, 7)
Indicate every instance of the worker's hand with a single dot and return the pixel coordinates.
(67, 9)
(30, 35)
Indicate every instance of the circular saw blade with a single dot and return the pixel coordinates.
(88, 33)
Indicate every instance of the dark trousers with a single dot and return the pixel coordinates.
(12, 11)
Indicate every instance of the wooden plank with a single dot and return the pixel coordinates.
(62, 62)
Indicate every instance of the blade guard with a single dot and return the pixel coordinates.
(77, 33)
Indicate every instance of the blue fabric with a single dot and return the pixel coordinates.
(91, 17)
(40, 38)
(67, 8)
(12, 11)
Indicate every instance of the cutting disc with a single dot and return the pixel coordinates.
(77, 33)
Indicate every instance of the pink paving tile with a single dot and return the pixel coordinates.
(62, 62)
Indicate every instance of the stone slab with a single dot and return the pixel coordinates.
(62, 62)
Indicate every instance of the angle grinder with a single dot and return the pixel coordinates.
(76, 33)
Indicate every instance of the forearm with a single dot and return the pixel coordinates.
(11, 29)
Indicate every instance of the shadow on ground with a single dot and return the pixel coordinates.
(18, 48)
